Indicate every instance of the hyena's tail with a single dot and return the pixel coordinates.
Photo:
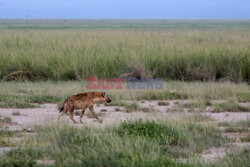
(62, 108)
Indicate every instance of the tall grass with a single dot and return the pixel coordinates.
(171, 54)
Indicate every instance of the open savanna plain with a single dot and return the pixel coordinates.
(201, 116)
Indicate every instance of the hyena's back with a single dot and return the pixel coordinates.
(82, 100)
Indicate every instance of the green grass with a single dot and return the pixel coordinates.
(138, 24)
(177, 51)
(23, 94)
(25, 101)
(235, 159)
(245, 138)
(152, 131)
(198, 103)
(230, 106)
(242, 123)
(6, 133)
(161, 95)
(5, 119)
(133, 106)
(130, 107)
(138, 143)
(115, 103)
(5, 136)
(148, 109)
(236, 127)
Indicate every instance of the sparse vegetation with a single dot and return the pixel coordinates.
(163, 103)
(90, 115)
(5, 119)
(245, 138)
(25, 101)
(5, 136)
(148, 109)
(235, 159)
(230, 106)
(115, 103)
(117, 109)
(198, 103)
(175, 109)
(23, 94)
(238, 127)
(143, 142)
(176, 103)
(130, 107)
(16, 113)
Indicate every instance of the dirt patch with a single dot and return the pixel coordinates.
(229, 116)
(45, 162)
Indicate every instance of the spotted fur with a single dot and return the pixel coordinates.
(83, 101)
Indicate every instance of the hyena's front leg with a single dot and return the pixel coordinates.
(95, 115)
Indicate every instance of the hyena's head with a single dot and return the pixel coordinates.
(105, 97)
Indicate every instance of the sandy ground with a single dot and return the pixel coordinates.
(48, 113)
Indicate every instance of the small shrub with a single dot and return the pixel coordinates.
(5, 119)
(104, 110)
(175, 109)
(245, 138)
(6, 133)
(130, 107)
(150, 130)
(117, 109)
(16, 113)
(148, 109)
(163, 103)
(115, 103)
(176, 102)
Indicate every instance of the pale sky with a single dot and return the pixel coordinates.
(130, 9)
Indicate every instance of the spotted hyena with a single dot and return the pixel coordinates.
(83, 101)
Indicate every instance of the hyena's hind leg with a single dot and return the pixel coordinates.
(82, 113)
(63, 112)
(72, 115)
(95, 115)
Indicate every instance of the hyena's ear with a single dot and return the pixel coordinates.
(103, 94)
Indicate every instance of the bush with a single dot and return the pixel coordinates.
(150, 130)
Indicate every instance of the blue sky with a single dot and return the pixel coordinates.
(130, 9)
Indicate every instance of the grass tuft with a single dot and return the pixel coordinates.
(131, 107)
(163, 103)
